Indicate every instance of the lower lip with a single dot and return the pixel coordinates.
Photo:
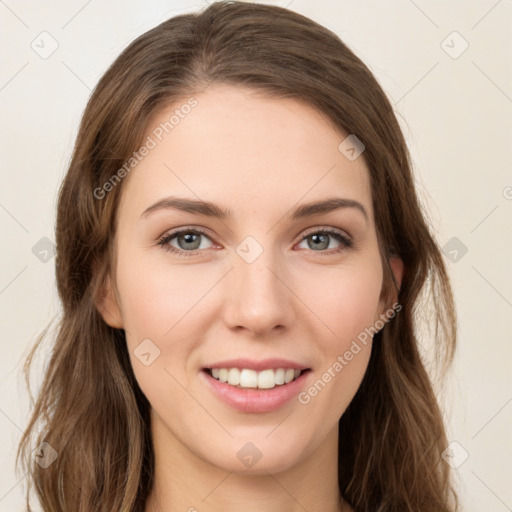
(256, 400)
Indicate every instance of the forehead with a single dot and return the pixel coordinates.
(240, 149)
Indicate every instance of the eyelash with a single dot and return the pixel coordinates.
(346, 242)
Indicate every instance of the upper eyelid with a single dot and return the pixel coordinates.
(316, 229)
(179, 231)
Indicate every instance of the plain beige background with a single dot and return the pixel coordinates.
(446, 66)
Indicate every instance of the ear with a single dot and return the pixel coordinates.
(390, 296)
(397, 266)
(108, 306)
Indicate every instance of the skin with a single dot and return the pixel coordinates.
(260, 158)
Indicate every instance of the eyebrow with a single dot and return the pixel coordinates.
(209, 209)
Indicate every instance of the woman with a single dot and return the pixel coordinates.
(240, 258)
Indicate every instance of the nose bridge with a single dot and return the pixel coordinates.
(257, 298)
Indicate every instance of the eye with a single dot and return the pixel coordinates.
(320, 240)
(184, 242)
(188, 242)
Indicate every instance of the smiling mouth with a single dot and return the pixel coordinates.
(244, 378)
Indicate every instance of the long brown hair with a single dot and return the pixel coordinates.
(90, 409)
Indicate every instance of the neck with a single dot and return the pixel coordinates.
(183, 481)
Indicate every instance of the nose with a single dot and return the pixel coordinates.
(258, 297)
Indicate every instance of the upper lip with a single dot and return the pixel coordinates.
(264, 364)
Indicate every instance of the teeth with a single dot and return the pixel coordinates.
(234, 376)
(248, 379)
(266, 379)
(245, 378)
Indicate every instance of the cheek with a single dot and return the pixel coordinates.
(349, 301)
(166, 305)
(157, 298)
(348, 308)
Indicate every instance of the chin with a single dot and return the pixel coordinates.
(259, 456)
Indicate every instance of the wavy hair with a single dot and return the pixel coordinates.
(90, 408)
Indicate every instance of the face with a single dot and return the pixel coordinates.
(273, 283)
